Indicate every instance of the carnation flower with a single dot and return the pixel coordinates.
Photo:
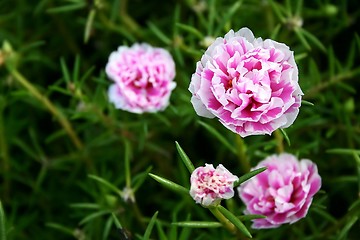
(210, 185)
(283, 193)
(143, 78)
(249, 84)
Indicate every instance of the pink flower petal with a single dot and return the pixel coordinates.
(283, 193)
(254, 80)
(143, 76)
(210, 185)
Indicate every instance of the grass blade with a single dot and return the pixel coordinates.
(197, 224)
(249, 175)
(347, 227)
(190, 30)
(169, 184)
(160, 230)
(150, 227)
(116, 221)
(313, 39)
(162, 36)
(250, 217)
(230, 13)
(285, 136)
(93, 216)
(60, 228)
(85, 205)
(307, 103)
(236, 221)
(67, 8)
(65, 71)
(106, 183)
(2, 223)
(302, 38)
(220, 137)
(343, 151)
(89, 24)
(186, 160)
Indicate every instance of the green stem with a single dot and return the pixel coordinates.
(354, 212)
(113, 27)
(241, 152)
(138, 215)
(128, 21)
(333, 80)
(109, 123)
(224, 221)
(4, 153)
(2, 223)
(64, 122)
(106, 120)
(269, 17)
(279, 141)
(127, 165)
(50, 106)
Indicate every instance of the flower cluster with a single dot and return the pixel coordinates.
(249, 84)
(143, 77)
(210, 185)
(283, 193)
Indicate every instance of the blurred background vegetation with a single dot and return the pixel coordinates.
(70, 161)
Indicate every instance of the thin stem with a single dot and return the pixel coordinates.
(128, 21)
(225, 222)
(269, 17)
(55, 112)
(138, 214)
(127, 165)
(241, 152)
(345, 219)
(109, 123)
(50, 106)
(113, 27)
(335, 79)
(106, 120)
(2, 223)
(4, 154)
(279, 141)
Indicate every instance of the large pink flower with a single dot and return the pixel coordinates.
(283, 192)
(210, 185)
(250, 84)
(143, 77)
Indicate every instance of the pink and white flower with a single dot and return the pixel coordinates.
(210, 185)
(283, 192)
(143, 78)
(249, 84)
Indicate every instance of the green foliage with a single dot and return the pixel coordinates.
(197, 224)
(249, 175)
(2, 223)
(236, 221)
(187, 162)
(169, 184)
(74, 167)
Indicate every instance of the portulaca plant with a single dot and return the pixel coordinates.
(93, 95)
(251, 86)
(208, 187)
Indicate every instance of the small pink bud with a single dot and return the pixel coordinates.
(210, 185)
